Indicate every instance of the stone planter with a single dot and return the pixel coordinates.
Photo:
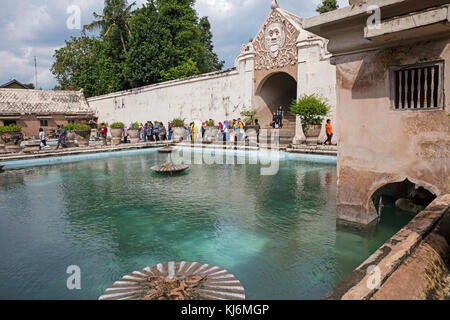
(312, 133)
(116, 136)
(70, 139)
(178, 133)
(12, 141)
(133, 135)
(211, 133)
(250, 131)
(83, 137)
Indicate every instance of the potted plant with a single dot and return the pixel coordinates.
(80, 132)
(117, 132)
(249, 116)
(133, 132)
(211, 131)
(12, 137)
(312, 109)
(178, 129)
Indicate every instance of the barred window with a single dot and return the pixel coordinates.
(418, 87)
(44, 123)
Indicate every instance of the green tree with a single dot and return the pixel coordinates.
(327, 6)
(75, 63)
(187, 69)
(116, 14)
(163, 40)
(180, 18)
(211, 59)
(151, 49)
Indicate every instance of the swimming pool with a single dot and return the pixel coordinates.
(110, 215)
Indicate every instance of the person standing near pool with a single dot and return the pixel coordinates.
(225, 130)
(329, 132)
(58, 134)
(150, 131)
(145, 131)
(156, 129)
(103, 134)
(275, 120)
(170, 129)
(43, 141)
(187, 136)
(125, 134)
(162, 131)
(62, 138)
(258, 129)
(280, 116)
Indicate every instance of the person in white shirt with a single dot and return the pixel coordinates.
(42, 139)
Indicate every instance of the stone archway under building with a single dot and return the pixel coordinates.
(276, 89)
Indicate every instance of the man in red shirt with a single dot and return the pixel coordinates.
(103, 133)
(329, 132)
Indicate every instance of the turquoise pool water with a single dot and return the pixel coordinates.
(110, 215)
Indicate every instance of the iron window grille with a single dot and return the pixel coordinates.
(418, 87)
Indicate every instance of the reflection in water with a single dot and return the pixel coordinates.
(277, 234)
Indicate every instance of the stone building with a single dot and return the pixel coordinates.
(34, 109)
(281, 63)
(393, 80)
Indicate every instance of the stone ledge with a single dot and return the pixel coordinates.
(389, 257)
(82, 150)
(319, 149)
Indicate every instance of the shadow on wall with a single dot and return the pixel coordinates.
(406, 195)
(367, 75)
(277, 89)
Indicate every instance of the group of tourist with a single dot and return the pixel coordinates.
(61, 133)
(277, 119)
(228, 131)
(156, 131)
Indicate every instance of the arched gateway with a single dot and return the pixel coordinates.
(281, 63)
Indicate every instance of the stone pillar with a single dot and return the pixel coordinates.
(299, 135)
(354, 191)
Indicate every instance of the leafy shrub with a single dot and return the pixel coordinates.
(210, 123)
(178, 123)
(10, 129)
(249, 115)
(311, 109)
(134, 125)
(117, 125)
(77, 127)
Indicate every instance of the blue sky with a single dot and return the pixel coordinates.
(38, 27)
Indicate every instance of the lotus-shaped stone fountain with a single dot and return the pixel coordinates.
(177, 281)
(169, 168)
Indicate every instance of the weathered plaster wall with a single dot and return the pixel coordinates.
(219, 96)
(378, 145)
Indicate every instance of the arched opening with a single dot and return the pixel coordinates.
(406, 196)
(277, 89)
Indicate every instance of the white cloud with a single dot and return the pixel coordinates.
(37, 28)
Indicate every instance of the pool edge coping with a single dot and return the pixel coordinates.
(391, 255)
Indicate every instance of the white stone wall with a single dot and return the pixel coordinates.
(218, 96)
(316, 75)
